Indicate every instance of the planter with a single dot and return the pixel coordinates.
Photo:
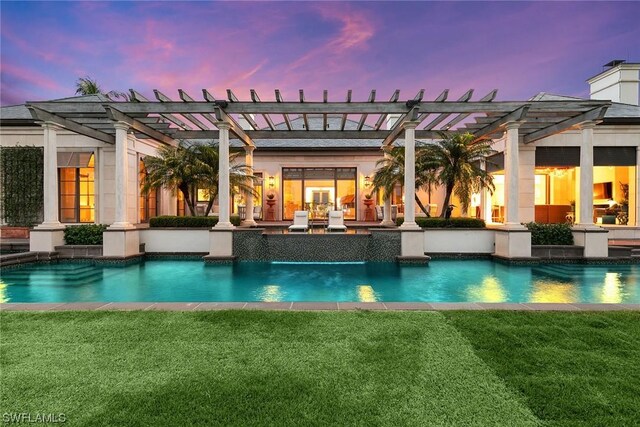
(7, 232)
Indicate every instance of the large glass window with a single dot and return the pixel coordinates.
(148, 203)
(319, 190)
(76, 179)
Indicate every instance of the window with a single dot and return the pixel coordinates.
(148, 204)
(76, 178)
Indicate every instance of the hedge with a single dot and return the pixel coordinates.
(189, 221)
(22, 185)
(86, 234)
(550, 234)
(455, 222)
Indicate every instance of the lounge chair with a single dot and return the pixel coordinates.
(394, 212)
(379, 213)
(336, 221)
(300, 221)
(257, 213)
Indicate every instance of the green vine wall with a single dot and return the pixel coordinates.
(21, 185)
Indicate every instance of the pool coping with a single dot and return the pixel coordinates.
(314, 306)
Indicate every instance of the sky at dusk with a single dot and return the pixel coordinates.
(520, 48)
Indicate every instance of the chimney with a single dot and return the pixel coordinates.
(620, 82)
(392, 119)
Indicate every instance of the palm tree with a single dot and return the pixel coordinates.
(390, 172)
(455, 160)
(88, 86)
(189, 168)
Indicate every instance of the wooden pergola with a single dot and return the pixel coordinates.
(170, 121)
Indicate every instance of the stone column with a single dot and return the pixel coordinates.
(387, 221)
(122, 176)
(512, 176)
(585, 213)
(483, 194)
(223, 184)
(635, 194)
(527, 183)
(410, 176)
(51, 219)
(249, 221)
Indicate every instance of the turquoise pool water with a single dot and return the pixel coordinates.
(441, 281)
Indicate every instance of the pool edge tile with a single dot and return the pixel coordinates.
(361, 306)
(405, 306)
(313, 306)
(552, 306)
(445, 306)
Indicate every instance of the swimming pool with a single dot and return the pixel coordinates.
(441, 281)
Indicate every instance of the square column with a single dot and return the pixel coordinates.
(46, 236)
(527, 183)
(512, 176)
(249, 221)
(585, 213)
(51, 220)
(410, 176)
(122, 177)
(387, 221)
(223, 178)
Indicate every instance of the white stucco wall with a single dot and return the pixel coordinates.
(459, 241)
(175, 240)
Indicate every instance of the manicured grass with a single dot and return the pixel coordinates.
(250, 368)
(574, 369)
(319, 368)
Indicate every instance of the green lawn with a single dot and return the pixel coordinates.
(318, 368)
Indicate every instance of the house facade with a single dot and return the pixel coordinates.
(569, 162)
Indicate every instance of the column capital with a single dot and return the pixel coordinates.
(51, 125)
(223, 125)
(512, 125)
(587, 125)
(248, 149)
(121, 126)
(410, 125)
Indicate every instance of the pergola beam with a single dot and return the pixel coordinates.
(398, 129)
(591, 115)
(488, 98)
(234, 128)
(464, 98)
(372, 98)
(304, 116)
(256, 98)
(140, 99)
(138, 126)
(343, 122)
(497, 125)
(45, 116)
(548, 108)
(302, 134)
(164, 98)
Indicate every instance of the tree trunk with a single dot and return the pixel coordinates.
(422, 207)
(447, 198)
(184, 189)
(212, 197)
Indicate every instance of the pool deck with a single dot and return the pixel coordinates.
(312, 306)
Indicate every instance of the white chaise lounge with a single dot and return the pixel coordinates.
(336, 221)
(300, 221)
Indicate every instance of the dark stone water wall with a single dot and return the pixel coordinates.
(379, 245)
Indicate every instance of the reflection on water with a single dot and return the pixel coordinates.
(546, 291)
(366, 294)
(271, 293)
(611, 290)
(3, 292)
(490, 290)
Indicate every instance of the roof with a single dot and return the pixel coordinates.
(20, 114)
(617, 110)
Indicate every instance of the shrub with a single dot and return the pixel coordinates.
(456, 222)
(550, 234)
(189, 221)
(88, 234)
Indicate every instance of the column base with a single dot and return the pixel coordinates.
(512, 241)
(412, 243)
(387, 223)
(52, 225)
(120, 243)
(220, 243)
(594, 239)
(121, 226)
(224, 226)
(45, 239)
(248, 223)
(412, 225)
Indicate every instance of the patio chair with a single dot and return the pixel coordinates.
(257, 213)
(336, 221)
(300, 221)
(394, 212)
(379, 213)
